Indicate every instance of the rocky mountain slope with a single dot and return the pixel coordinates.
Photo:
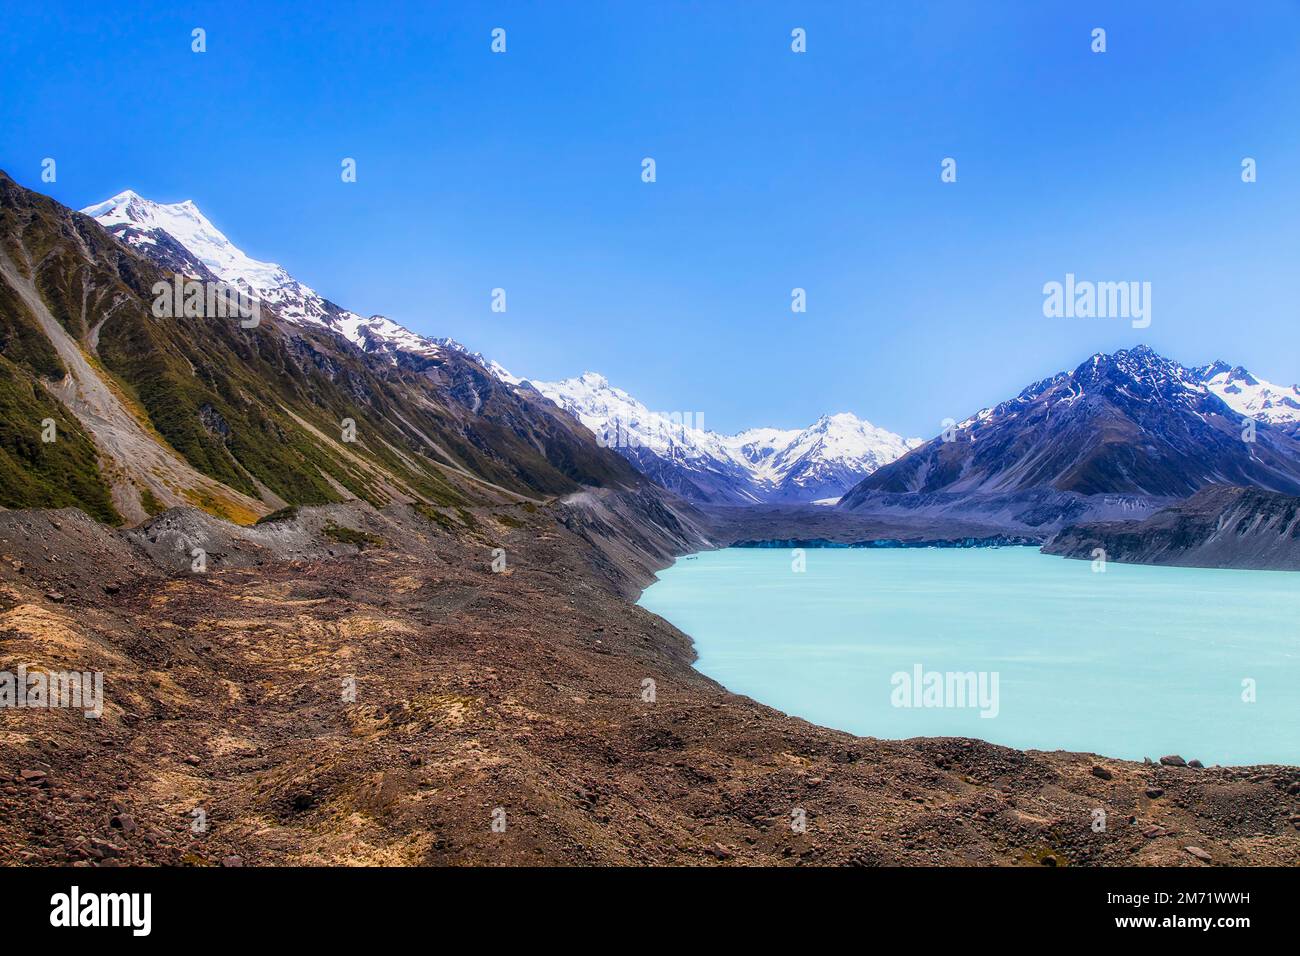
(351, 685)
(819, 462)
(152, 412)
(1132, 430)
(1218, 527)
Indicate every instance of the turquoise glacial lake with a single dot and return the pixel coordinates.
(894, 643)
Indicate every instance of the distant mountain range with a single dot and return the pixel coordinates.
(819, 462)
(150, 414)
(760, 465)
(1134, 426)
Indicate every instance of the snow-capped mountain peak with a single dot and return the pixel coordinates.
(187, 225)
(1249, 395)
(149, 226)
(835, 452)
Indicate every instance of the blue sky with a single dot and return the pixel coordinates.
(775, 170)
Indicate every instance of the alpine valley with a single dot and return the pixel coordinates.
(232, 523)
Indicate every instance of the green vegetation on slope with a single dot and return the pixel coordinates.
(361, 539)
(37, 474)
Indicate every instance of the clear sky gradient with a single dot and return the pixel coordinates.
(775, 170)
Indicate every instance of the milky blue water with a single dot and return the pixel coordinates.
(1136, 661)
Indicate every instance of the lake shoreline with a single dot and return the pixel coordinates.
(732, 622)
(991, 541)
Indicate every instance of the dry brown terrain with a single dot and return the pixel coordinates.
(481, 693)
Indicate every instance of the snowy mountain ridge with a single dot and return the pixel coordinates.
(757, 465)
(1244, 393)
(146, 225)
